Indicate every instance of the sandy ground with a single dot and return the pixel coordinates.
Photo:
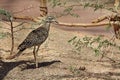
(57, 58)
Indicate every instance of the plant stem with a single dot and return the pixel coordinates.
(12, 36)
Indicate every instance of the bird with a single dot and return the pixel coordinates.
(35, 38)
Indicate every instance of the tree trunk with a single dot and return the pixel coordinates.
(43, 8)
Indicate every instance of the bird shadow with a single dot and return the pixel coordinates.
(42, 64)
(6, 67)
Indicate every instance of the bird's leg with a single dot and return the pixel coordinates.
(34, 50)
(35, 57)
(37, 49)
(36, 54)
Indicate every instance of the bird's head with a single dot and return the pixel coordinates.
(51, 19)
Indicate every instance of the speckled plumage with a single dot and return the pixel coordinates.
(35, 38)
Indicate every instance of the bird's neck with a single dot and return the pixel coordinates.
(47, 26)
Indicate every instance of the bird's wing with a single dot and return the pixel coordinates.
(36, 37)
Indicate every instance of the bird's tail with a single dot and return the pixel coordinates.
(15, 55)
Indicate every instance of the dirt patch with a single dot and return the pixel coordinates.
(57, 58)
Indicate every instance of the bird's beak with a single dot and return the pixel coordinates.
(55, 21)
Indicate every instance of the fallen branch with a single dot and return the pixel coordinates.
(24, 18)
(102, 18)
(112, 17)
(38, 19)
(87, 24)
